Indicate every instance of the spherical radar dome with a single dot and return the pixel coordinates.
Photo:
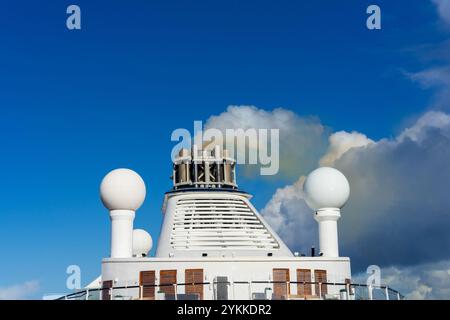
(326, 187)
(142, 243)
(122, 189)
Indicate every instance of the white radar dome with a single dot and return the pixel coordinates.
(122, 189)
(142, 243)
(326, 187)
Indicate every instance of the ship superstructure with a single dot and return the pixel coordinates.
(213, 242)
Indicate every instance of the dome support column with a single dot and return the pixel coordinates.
(328, 233)
(121, 233)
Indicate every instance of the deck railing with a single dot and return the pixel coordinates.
(338, 291)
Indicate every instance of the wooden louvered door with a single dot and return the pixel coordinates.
(147, 284)
(280, 285)
(321, 276)
(167, 279)
(304, 287)
(194, 280)
(106, 292)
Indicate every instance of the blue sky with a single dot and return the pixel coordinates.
(76, 104)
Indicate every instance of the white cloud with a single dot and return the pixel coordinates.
(437, 76)
(302, 139)
(19, 291)
(443, 8)
(340, 143)
(430, 120)
(433, 77)
(438, 79)
(291, 218)
(423, 281)
(398, 208)
(398, 211)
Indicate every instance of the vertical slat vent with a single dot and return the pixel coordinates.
(218, 223)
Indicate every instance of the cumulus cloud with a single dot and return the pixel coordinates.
(19, 291)
(302, 139)
(340, 142)
(443, 8)
(429, 121)
(397, 216)
(398, 212)
(423, 281)
(291, 218)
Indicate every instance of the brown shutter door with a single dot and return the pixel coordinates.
(166, 280)
(304, 287)
(321, 276)
(280, 286)
(194, 282)
(147, 283)
(106, 285)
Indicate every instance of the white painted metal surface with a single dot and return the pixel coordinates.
(326, 187)
(239, 271)
(326, 192)
(328, 233)
(121, 233)
(217, 230)
(142, 243)
(216, 224)
(122, 191)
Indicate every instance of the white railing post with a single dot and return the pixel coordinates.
(320, 290)
(232, 284)
(288, 289)
(87, 294)
(175, 290)
(369, 291)
(387, 292)
(398, 296)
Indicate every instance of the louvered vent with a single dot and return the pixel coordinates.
(218, 223)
